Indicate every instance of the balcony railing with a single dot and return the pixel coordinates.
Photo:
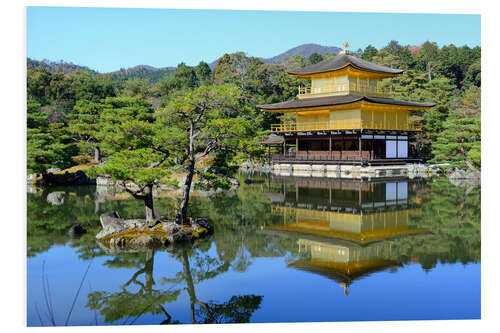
(361, 88)
(346, 124)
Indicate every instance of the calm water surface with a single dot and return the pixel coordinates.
(284, 250)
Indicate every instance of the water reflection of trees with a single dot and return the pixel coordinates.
(129, 304)
(197, 266)
(452, 214)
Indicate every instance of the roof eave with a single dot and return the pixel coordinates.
(400, 71)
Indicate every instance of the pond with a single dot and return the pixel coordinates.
(285, 249)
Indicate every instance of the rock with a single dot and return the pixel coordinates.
(30, 188)
(104, 181)
(179, 237)
(113, 224)
(32, 177)
(68, 179)
(120, 186)
(171, 227)
(80, 178)
(145, 241)
(134, 234)
(55, 198)
(202, 222)
(234, 182)
(458, 182)
(475, 174)
(52, 170)
(102, 192)
(457, 174)
(76, 230)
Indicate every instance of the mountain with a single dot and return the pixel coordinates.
(150, 73)
(153, 74)
(304, 50)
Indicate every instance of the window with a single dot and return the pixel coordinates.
(390, 149)
(402, 149)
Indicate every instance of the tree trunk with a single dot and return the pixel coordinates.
(97, 155)
(148, 268)
(464, 155)
(186, 188)
(148, 203)
(190, 284)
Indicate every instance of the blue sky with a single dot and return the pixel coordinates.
(107, 39)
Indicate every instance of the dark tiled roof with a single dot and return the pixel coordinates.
(336, 100)
(340, 61)
(311, 102)
(391, 101)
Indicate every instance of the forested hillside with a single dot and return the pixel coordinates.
(56, 66)
(65, 105)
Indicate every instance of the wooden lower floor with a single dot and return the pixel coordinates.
(358, 148)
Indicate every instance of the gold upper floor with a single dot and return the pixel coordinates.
(353, 117)
(323, 88)
(345, 82)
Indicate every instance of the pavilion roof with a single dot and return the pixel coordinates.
(338, 100)
(342, 60)
(344, 273)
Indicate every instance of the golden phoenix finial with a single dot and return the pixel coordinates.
(346, 45)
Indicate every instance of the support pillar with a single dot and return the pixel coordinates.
(343, 147)
(360, 154)
(330, 146)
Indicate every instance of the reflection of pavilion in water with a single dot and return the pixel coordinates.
(344, 226)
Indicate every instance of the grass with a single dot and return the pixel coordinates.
(76, 168)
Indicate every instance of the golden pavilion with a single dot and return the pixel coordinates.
(344, 117)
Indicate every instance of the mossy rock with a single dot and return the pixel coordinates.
(161, 233)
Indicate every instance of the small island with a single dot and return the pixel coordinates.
(120, 233)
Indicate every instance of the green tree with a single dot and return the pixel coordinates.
(38, 81)
(473, 75)
(426, 58)
(48, 145)
(459, 143)
(203, 73)
(137, 147)
(369, 52)
(136, 87)
(85, 124)
(205, 121)
(315, 58)
(184, 78)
